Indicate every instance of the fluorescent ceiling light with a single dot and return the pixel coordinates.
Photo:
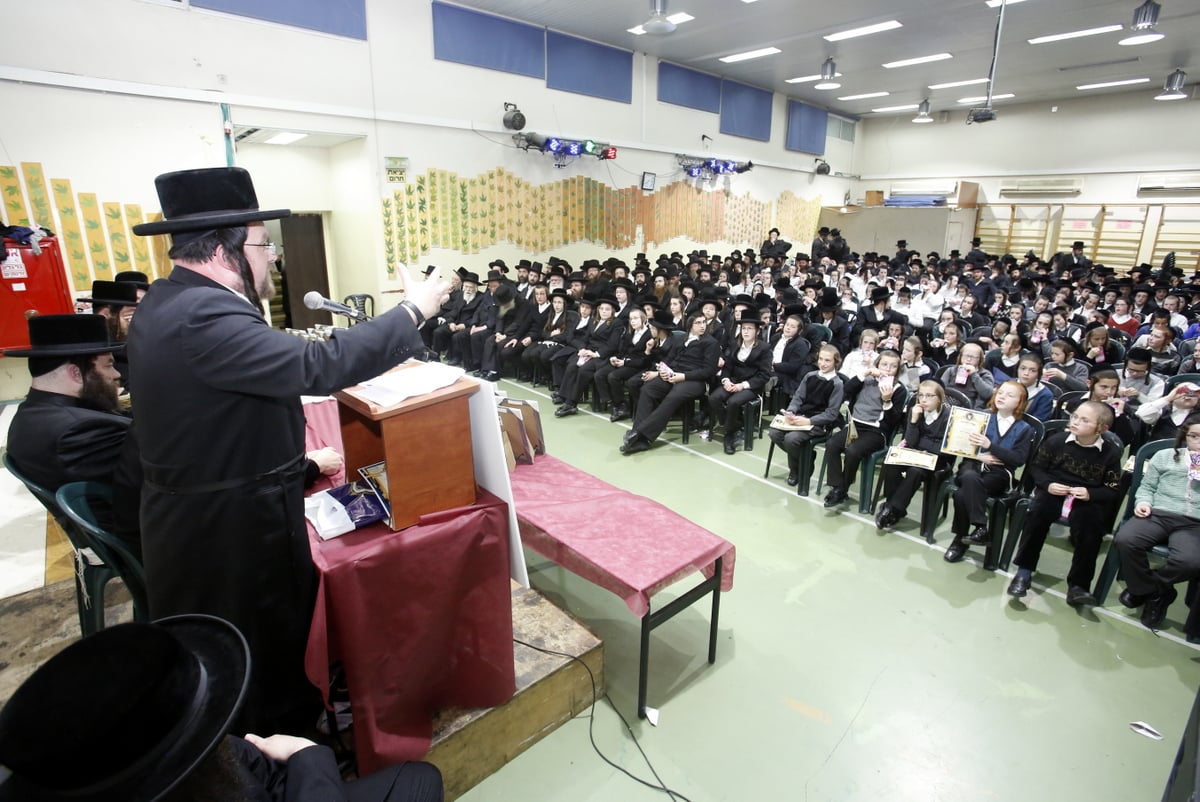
(997, 3)
(1142, 38)
(809, 78)
(956, 84)
(682, 16)
(886, 109)
(1058, 37)
(983, 99)
(864, 96)
(1106, 84)
(749, 54)
(749, 1)
(284, 138)
(908, 62)
(866, 30)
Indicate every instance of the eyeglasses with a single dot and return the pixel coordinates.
(270, 246)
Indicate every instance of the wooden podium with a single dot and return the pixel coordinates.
(424, 441)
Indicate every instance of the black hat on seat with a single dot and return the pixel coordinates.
(124, 714)
(198, 201)
(66, 335)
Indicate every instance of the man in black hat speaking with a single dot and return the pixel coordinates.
(221, 428)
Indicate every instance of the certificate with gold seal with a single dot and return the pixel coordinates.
(964, 423)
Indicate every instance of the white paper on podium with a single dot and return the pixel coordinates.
(392, 388)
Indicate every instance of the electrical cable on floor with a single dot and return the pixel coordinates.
(661, 786)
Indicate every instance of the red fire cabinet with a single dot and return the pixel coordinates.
(31, 284)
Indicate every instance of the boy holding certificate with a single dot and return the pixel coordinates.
(1075, 474)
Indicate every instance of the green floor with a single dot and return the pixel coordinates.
(851, 665)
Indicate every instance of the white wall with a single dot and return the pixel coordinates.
(1107, 140)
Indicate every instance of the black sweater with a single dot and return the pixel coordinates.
(1078, 466)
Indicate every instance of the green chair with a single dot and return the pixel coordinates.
(91, 574)
(1111, 569)
(1178, 378)
(869, 466)
(78, 500)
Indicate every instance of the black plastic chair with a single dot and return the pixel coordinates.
(362, 302)
(1065, 401)
(91, 574)
(77, 500)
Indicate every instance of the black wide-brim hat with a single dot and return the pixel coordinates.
(135, 277)
(67, 335)
(662, 320)
(206, 199)
(749, 317)
(125, 714)
(113, 293)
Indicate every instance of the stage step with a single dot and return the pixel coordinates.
(471, 744)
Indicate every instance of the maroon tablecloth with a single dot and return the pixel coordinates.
(421, 619)
(625, 543)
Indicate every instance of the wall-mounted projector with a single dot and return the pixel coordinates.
(981, 115)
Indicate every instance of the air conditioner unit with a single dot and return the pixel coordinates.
(1169, 183)
(1023, 187)
(939, 188)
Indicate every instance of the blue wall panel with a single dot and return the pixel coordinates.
(577, 65)
(745, 111)
(340, 17)
(806, 127)
(481, 40)
(684, 87)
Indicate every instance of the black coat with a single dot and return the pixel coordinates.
(795, 356)
(221, 432)
(55, 439)
(756, 368)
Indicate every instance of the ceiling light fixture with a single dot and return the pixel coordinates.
(887, 109)
(923, 112)
(956, 84)
(674, 19)
(828, 71)
(749, 54)
(997, 3)
(284, 138)
(808, 78)
(1107, 84)
(866, 30)
(1058, 37)
(1145, 18)
(1111, 63)
(865, 96)
(1173, 88)
(983, 98)
(908, 62)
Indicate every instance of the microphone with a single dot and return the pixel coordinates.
(317, 302)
